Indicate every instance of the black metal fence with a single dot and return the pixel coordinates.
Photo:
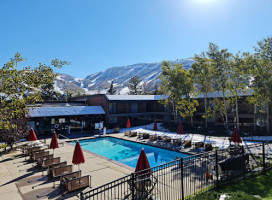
(185, 177)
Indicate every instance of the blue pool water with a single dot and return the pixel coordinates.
(128, 152)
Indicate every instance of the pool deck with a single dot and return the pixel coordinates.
(15, 172)
(18, 176)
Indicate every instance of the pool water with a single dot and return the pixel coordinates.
(128, 152)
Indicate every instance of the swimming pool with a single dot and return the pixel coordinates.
(128, 152)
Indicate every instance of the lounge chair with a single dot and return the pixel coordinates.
(153, 137)
(133, 134)
(39, 154)
(47, 162)
(28, 151)
(59, 171)
(77, 183)
(187, 143)
(67, 177)
(41, 159)
(127, 133)
(146, 136)
(55, 165)
(140, 135)
(199, 145)
(208, 147)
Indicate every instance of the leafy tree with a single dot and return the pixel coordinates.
(20, 88)
(133, 85)
(221, 65)
(177, 83)
(238, 83)
(261, 72)
(202, 72)
(111, 89)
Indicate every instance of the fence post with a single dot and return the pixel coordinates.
(133, 185)
(263, 157)
(244, 161)
(181, 176)
(82, 196)
(216, 168)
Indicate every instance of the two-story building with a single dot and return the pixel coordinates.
(139, 109)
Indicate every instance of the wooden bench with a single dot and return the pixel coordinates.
(39, 154)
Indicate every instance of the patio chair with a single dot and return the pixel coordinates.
(153, 137)
(208, 147)
(133, 134)
(59, 171)
(187, 143)
(47, 162)
(166, 138)
(199, 145)
(127, 133)
(67, 177)
(41, 159)
(39, 154)
(77, 183)
(146, 136)
(142, 187)
(140, 135)
(28, 151)
(55, 165)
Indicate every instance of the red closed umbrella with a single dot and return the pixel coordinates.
(78, 156)
(32, 136)
(128, 123)
(235, 137)
(142, 163)
(180, 129)
(155, 126)
(54, 142)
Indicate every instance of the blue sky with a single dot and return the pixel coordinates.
(97, 34)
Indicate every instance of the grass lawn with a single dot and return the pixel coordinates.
(261, 186)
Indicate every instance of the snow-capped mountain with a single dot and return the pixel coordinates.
(100, 82)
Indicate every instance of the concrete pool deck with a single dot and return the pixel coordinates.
(15, 173)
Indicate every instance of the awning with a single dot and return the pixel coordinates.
(65, 111)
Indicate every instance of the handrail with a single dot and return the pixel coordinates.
(63, 137)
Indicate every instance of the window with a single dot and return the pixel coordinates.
(113, 120)
(112, 108)
(134, 107)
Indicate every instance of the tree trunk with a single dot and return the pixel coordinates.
(237, 112)
(206, 105)
(267, 117)
(192, 121)
(225, 108)
(174, 111)
(255, 112)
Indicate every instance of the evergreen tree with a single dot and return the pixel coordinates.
(133, 85)
(48, 92)
(111, 90)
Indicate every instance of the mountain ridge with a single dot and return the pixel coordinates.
(99, 82)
